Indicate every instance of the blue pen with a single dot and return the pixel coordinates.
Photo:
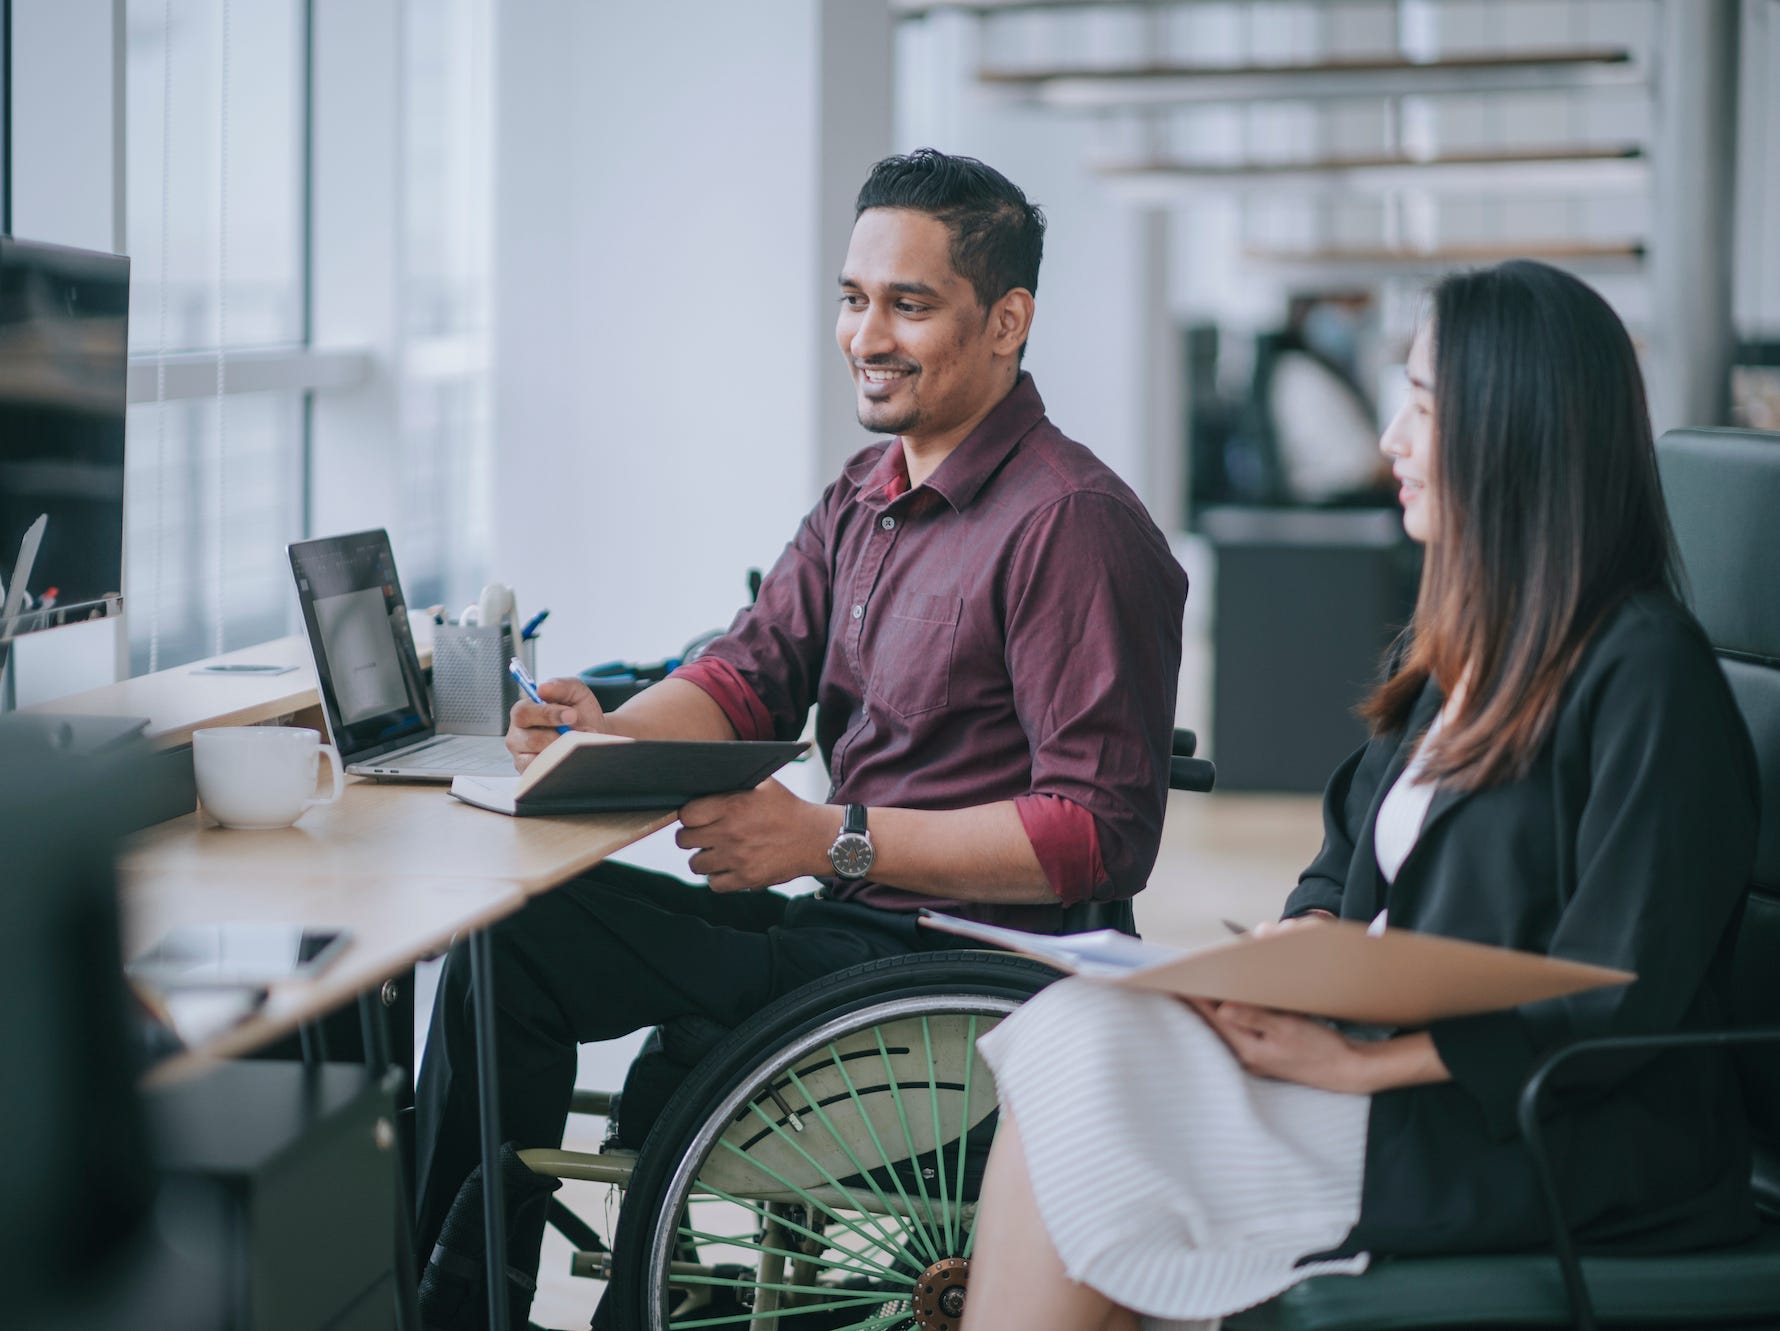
(516, 668)
(531, 625)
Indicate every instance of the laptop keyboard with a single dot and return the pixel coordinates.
(472, 755)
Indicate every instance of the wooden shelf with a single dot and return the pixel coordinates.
(1385, 75)
(1375, 162)
(917, 9)
(1567, 254)
(1561, 169)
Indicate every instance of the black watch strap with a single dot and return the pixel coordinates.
(853, 820)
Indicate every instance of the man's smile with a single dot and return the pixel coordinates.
(877, 380)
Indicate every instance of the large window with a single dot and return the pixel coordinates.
(215, 115)
(224, 432)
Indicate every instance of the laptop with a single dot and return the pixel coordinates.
(379, 713)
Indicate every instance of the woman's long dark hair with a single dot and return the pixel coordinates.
(1548, 512)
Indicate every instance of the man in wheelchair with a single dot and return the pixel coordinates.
(988, 625)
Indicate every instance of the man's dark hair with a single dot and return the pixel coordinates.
(998, 238)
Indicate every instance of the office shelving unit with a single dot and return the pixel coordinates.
(1416, 198)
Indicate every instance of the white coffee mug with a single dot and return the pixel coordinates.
(261, 776)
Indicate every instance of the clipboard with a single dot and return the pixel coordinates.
(1398, 978)
(584, 772)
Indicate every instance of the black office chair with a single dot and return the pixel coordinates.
(1723, 492)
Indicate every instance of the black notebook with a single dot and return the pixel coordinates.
(583, 772)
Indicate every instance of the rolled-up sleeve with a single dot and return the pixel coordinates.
(724, 685)
(1066, 840)
(1094, 608)
(768, 664)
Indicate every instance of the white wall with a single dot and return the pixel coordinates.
(1088, 352)
(659, 276)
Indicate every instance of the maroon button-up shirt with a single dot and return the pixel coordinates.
(1009, 630)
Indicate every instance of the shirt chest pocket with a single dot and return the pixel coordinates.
(911, 653)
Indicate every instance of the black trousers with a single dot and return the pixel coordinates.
(613, 952)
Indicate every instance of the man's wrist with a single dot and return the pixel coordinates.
(827, 824)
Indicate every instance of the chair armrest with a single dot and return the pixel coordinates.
(1532, 1131)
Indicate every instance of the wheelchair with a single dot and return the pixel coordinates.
(818, 1166)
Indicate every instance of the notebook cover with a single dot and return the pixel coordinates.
(587, 773)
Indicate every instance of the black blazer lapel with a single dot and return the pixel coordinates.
(1366, 889)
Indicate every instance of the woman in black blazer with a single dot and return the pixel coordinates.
(1566, 773)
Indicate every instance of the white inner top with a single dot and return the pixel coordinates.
(1404, 810)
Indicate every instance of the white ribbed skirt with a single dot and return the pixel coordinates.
(1169, 1179)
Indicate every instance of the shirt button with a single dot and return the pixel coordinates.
(858, 612)
(888, 524)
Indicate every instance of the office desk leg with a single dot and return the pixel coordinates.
(373, 1020)
(494, 1211)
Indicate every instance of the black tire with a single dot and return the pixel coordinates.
(765, 1055)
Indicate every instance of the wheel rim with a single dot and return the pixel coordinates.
(833, 1189)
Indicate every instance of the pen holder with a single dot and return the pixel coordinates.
(472, 689)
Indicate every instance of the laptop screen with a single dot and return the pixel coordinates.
(365, 661)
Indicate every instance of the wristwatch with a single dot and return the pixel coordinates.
(851, 854)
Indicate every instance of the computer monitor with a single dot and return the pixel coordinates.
(63, 345)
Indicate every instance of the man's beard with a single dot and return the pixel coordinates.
(881, 418)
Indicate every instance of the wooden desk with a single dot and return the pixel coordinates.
(393, 925)
(404, 867)
(384, 830)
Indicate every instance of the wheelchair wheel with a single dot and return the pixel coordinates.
(820, 1169)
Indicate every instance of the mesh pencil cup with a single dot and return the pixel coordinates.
(472, 690)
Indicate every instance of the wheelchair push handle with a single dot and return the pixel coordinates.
(1185, 772)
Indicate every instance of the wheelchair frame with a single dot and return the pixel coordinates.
(722, 1087)
(844, 1128)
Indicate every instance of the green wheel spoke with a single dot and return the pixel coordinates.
(884, 1238)
(822, 1114)
(736, 1319)
(908, 1135)
(878, 1234)
(970, 1066)
(827, 1291)
(871, 1129)
(724, 1240)
(897, 1255)
(939, 1155)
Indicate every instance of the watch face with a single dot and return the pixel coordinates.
(851, 855)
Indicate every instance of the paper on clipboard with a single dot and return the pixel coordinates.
(1398, 978)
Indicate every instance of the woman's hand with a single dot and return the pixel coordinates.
(1288, 1047)
(1309, 919)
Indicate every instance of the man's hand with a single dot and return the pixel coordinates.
(757, 838)
(532, 726)
(1288, 1047)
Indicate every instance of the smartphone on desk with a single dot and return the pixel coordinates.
(242, 953)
